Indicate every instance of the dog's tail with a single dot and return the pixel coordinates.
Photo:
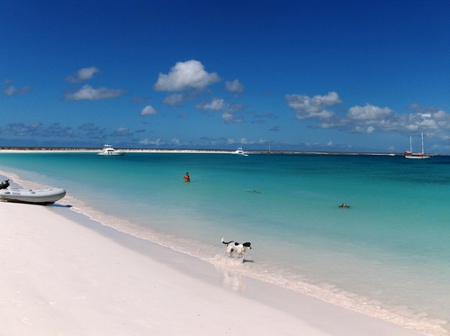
(226, 243)
(247, 244)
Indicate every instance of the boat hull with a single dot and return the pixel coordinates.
(109, 151)
(111, 154)
(240, 152)
(36, 196)
(417, 156)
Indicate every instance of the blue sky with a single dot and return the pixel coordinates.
(304, 75)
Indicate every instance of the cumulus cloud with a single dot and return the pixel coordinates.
(230, 117)
(233, 113)
(216, 104)
(364, 119)
(174, 99)
(315, 107)
(9, 89)
(227, 117)
(369, 118)
(369, 113)
(82, 75)
(184, 76)
(148, 110)
(87, 92)
(234, 86)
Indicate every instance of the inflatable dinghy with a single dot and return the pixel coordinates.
(36, 196)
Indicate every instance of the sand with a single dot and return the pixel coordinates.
(64, 274)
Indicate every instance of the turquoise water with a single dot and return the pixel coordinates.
(388, 255)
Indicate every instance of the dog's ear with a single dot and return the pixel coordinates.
(247, 244)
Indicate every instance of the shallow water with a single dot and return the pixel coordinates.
(387, 255)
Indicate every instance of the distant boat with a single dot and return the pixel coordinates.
(109, 151)
(240, 151)
(411, 155)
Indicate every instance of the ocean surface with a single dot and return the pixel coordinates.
(388, 255)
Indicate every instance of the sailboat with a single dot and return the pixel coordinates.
(410, 155)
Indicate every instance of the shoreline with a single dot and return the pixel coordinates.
(7, 150)
(134, 286)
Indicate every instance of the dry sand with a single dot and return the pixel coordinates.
(63, 274)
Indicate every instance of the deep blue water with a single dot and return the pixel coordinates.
(390, 249)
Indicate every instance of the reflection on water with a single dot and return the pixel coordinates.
(228, 270)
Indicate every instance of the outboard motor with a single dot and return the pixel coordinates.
(4, 184)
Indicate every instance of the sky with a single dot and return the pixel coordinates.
(309, 75)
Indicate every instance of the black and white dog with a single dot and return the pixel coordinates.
(237, 249)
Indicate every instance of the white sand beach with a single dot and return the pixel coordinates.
(63, 274)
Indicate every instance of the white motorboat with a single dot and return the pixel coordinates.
(109, 151)
(240, 151)
(411, 155)
(36, 196)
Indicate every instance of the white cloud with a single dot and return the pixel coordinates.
(309, 108)
(184, 76)
(87, 92)
(369, 113)
(174, 99)
(148, 110)
(234, 86)
(122, 130)
(216, 104)
(369, 118)
(227, 117)
(82, 75)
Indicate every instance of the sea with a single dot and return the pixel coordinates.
(387, 255)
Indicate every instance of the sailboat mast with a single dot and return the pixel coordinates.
(422, 144)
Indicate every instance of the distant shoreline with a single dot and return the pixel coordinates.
(201, 151)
